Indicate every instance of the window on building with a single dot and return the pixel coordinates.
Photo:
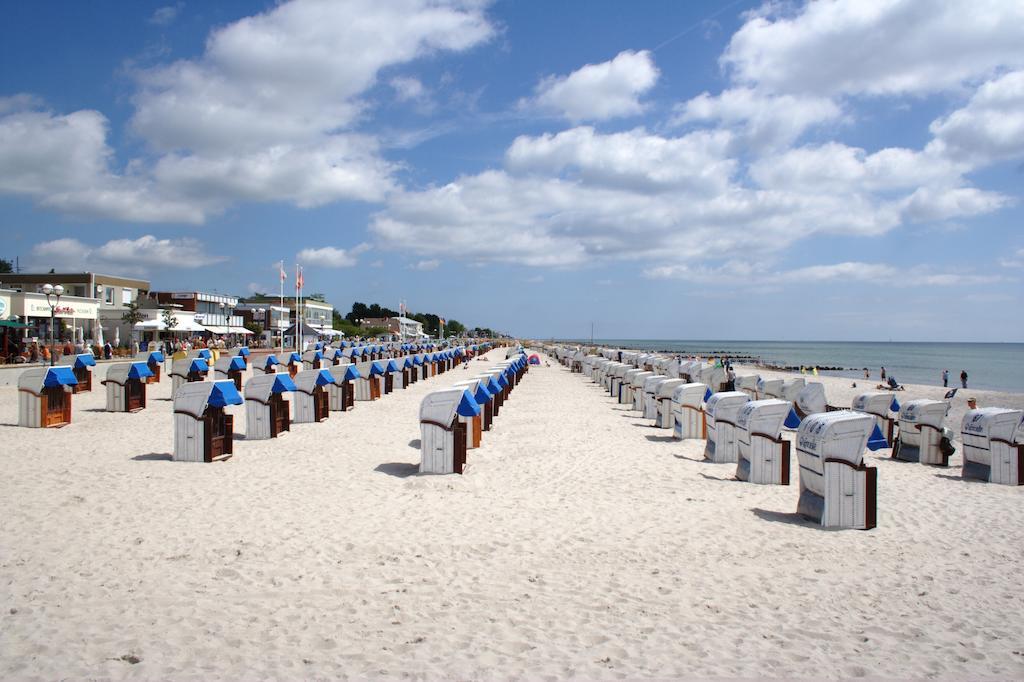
(126, 296)
(108, 295)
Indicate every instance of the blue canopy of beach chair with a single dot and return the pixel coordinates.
(792, 419)
(483, 396)
(271, 361)
(352, 373)
(139, 370)
(243, 351)
(223, 393)
(85, 360)
(468, 406)
(894, 406)
(199, 365)
(283, 383)
(237, 362)
(60, 376)
(293, 358)
(376, 369)
(393, 366)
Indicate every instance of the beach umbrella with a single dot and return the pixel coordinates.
(99, 333)
(117, 336)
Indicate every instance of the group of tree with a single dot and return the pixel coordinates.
(361, 311)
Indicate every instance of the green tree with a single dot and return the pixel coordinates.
(132, 316)
(6, 266)
(454, 328)
(169, 320)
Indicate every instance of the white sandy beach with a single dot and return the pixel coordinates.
(580, 543)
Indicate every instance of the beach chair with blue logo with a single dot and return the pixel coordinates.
(922, 434)
(836, 489)
(722, 410)
(993, 442)
(764, 455)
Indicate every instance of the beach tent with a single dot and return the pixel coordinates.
(922, 436)
(763, 453)
(878, 404)
(395, 377)
(312, 359)
(649, 398)
(722, 409)
(126, 386)
(270, 364)
(293, 361)
(229, 367)
(992, 451)
(748, 384)
(341, 394)
(712, 376)
(203, 432)
(474, 423)
(187, 370)
(82, 365)
(242, 352)
(769, 388)
(154, 359)
(666, 389)
(688, 419)
(836, 489)
(636, 389)
(311, 401)
(44, 396)
(266, 410)
(442, 433)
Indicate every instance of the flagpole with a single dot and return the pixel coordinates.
(298, 320)
(280, 277)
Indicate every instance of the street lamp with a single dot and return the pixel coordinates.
(56, 292)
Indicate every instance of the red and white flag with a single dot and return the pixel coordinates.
(299, 281)
(284, 275)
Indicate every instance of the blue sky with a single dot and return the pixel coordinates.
(828, 170)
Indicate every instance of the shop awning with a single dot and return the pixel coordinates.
(238, 330)
(186, 324)
(213, 329)
(13, 325)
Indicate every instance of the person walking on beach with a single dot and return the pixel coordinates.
(963, 377)
(883, 373)
(945, 378)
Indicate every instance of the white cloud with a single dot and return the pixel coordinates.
(765, 120)
(634, 159)
(1016, 260)
(876, 48)
(268, 113)
(331, 257)
(407, 88)
(990, 128)
(64, 162)
(884, 275)
(164, 16)
(426, 265)
(597, 92)
(123, 255)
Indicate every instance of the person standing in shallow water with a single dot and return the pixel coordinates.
(963, 377)
(945, 378)
(883, 374)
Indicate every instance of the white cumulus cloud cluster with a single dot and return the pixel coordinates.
(136, 256)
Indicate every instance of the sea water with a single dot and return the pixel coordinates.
(994, 366)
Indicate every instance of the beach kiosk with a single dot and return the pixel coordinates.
(688, 419)
(203, 432)
(664, 418)
(748, 384)
(82, 367)
(878, 404)
(229, 367)
(442, 432)
(649, 398)
(921, 433)
(154, 359)
(763, 453)
(126, 386)
(474, 424)
(44, 396)
(722, 410)
(266, 410)
(836, 489)
(186, 371)
(342, 393)
(311, 401)
(270, 364)
(991, 451)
